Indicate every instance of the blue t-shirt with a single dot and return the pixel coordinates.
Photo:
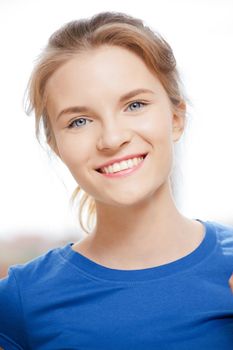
(65, 301)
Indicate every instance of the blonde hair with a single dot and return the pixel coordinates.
(111, 28)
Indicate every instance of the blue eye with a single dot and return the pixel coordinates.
(77, 123)
(136, 103)
(80, 122)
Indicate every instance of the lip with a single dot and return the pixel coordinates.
(125, 172)
(118, 160)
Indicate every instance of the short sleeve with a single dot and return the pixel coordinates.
(12, 332)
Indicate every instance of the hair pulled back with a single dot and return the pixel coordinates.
(105, 28)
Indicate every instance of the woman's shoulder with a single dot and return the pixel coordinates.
(26, 286)
(224, 236)
(35, 267)
(223, 231)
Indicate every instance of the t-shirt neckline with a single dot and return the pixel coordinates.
(97, 271)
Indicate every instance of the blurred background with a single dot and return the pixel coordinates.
(35, 188)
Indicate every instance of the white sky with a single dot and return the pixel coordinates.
(35, 191)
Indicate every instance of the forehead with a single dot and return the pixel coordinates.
(105, 65)
(99, 75)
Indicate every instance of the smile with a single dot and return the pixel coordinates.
(124, 167)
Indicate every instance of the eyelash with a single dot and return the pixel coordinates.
(71, 125)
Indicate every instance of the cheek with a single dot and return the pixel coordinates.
(158, 134)
(73, 152)
(157, 130)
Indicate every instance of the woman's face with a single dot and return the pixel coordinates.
(112, 125)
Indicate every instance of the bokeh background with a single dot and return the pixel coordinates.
(35, 188)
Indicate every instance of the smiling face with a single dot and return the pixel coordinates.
(112, 125)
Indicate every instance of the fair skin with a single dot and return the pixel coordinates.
(231, 283)
(138, 225)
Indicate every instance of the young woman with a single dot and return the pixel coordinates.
(145, 277)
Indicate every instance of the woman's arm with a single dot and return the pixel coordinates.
(231, 282)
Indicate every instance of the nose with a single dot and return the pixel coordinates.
(113, 136)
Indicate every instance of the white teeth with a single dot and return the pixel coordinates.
(116, 167)
(125, 164)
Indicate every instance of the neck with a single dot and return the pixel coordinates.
(149, 233)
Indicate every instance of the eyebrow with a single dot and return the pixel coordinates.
(79, 109)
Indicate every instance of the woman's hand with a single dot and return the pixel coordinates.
(231, 282)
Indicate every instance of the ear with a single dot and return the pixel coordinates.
(178, 121)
